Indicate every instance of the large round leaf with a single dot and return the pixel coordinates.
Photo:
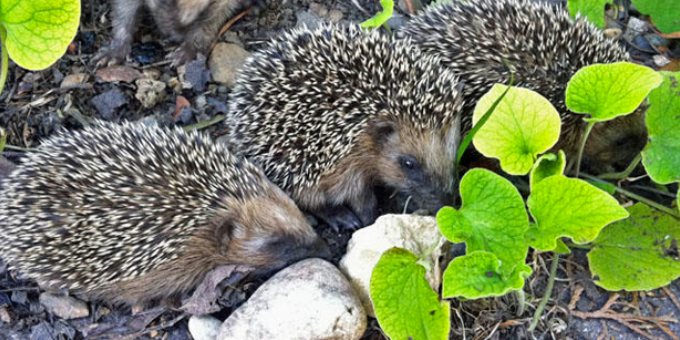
(661, 157)
(592, 9)
(39, 31)
(606, 91)
(476, 275)
(638, 253)
(405, 304)
(492, 219)
(523, 125)
(664, 13)
(569, 207)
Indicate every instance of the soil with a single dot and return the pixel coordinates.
(33, 106)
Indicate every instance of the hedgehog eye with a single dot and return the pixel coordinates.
(408, 162)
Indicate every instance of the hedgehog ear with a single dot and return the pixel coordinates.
(382, 130)
(225, 227)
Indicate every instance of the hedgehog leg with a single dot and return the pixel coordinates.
(339, 217)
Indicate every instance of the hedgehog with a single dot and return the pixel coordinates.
(193, 23)
(544, 48)
(332, 113)
(132, 214)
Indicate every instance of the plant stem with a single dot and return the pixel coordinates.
(548, 291)
(642, 199)
(624, 173)
(521, 302)
(3, 140)
(4, 59)
(583, 146)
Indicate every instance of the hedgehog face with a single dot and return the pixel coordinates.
(612, 145)
(418, 163)
(268, 233)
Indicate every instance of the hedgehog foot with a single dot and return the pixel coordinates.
(340, 218)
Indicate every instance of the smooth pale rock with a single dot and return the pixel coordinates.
(204, 327)
(225, 61)
(415, 233)
(65, 307)
(310, 300)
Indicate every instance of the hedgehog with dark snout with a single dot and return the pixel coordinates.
(193, 23)
(333, 113)
(544, 47)
(134, 214)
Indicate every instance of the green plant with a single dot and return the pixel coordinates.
(494, 220)
(36, 33)
(664, 13)
(591, 9)
(380, 18)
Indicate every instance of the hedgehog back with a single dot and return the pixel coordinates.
(301, 103)
(112, 202)
(541, 42)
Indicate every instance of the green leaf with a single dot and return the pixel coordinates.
(592, 9)
(569, 207)
(546, 166)
(405, 304)
(661, 156)
(477, 275)
(606, 91)
(665, 13)
(493, 219)
(638, 253)
(39, 31)
(381, 17)
(562, 248)
(523, 125)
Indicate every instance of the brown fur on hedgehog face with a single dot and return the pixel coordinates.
(414, 163)
(265, 234)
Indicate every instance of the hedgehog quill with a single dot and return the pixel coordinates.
(133, 213)
(544, 47)
(332, 113)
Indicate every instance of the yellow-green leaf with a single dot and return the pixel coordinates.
(39, 31)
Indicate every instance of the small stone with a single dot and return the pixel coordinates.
(308, 19)
(196, 74)
(635, 28)
(74, 79)
(318, 9)
(19, 297)
(119, 73)
(613, 33)
(204, 327)
(411, 232)
(65, 307)
(185, 115)
(225, 61)
(150, 92)
(107, 103)
(661, 60)
(5, 316)
(335, 16)
(308, 300)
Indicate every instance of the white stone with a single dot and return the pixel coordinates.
(150, 92)
(204, 327)
(309, 300)
(417, 234)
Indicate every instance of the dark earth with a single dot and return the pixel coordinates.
(36, 104)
